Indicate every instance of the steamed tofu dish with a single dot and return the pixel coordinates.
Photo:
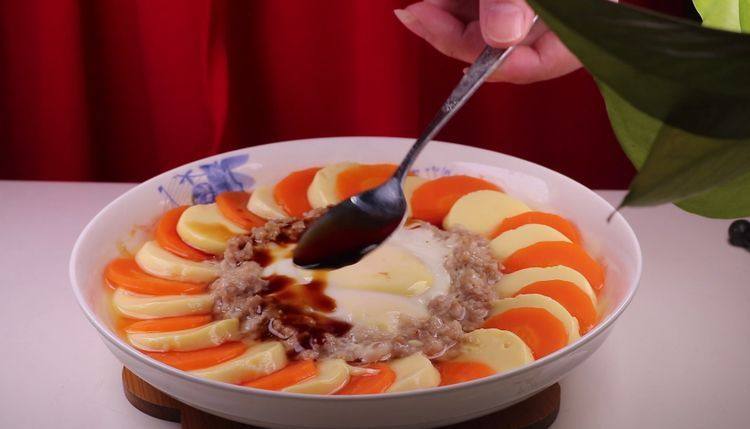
(474, 283)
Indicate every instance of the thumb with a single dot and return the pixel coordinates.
(504, 22)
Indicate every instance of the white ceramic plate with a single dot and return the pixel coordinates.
(119, 223)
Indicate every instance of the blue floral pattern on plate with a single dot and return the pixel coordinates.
(432, 172)
(202, 185)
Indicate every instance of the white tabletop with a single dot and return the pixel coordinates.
(678, 357)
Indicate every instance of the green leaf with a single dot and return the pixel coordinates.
(728, 201)
(691, 77)
(745, 16)
(681, 165)
(637, 131)
(684, 98)
(721, 14)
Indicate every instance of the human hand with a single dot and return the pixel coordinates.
(461, 29)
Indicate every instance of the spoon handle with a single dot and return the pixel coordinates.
(489, 60)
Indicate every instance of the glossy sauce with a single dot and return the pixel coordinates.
(302, 307)
(311, 327)
(310, 296)
(262, 257)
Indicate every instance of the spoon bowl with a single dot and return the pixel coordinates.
(352, 228)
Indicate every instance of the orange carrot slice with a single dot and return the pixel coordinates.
(552, 220)
(233, 205)
(203, 358)
(433, 200)
(458, 372)
(167, 237)
(551, 253)
(360, 178)
(168, 324)
(537, 327)
(125, 273)
(570, 296)
(290, 375)
(291, 192)
(369, 384)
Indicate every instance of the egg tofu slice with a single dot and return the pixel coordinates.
(262, 203)
(159, 262)
(323, 191)
(333, 374)
(482, 212)
(204, 227)
(569, 322)
(156, 307)
(500, 350)
(511, 283)
(259, 360)
(377, 311)
(510, 241)
(414, 372)
(201, 337)
(390, 269)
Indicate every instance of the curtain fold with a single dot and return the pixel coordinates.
(121, 90)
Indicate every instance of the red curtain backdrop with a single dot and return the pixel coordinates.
(120, 90)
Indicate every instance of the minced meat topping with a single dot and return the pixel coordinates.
(241, 292)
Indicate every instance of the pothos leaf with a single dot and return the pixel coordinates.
(728, 201)
(688, 76)
(721, 14)
(745, 16)
(637, 131)
(681, 165)
(683, 90)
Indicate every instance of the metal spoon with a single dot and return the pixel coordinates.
(355, 227)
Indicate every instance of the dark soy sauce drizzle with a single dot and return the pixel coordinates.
(311, 327)
(276, 284)
(262, 257)
(300, 307)
(311, 295)
(315, 295)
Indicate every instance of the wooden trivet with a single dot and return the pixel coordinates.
(537, 412)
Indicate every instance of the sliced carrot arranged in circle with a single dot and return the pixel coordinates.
(291, 192)
(203, 358)
(369, 384)
(552, 253)
(538, 328)
(458, 372)
(360, 178)
(168, 324)
(125, 273)
(290, 375)
(554, 221)
(432, 201)
(570, 296)
(167, 237)
(233, 205)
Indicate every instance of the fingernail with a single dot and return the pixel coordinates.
(411, 22)
(503, 23)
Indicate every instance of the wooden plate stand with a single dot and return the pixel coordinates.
(537, 412)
